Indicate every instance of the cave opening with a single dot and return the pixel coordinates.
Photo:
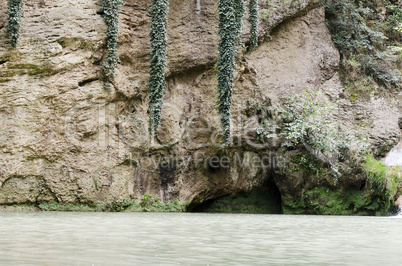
(264, 199)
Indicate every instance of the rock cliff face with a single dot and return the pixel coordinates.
(65, 137)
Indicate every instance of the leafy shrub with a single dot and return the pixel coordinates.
(174, 206)
(309, 123)
(147, 200)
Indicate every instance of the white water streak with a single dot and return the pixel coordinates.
(394, 157)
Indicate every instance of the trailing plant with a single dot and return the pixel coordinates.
(159, 23)
(308, 123)
(230, 22)
(253, 19)
(14, 20)
(239, 12)
(111, 12)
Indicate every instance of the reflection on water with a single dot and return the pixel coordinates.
(46, 238)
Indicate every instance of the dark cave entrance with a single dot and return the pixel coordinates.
(265, 199)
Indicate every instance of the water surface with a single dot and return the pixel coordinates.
(55, 238)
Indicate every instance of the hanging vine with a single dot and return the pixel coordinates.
(230, 22)
(111, 10)
(14, 20)
(239, 11)
(253, 19)
(159, 23)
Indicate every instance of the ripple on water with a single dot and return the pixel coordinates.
(196, 239)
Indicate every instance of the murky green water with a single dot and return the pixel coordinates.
(52, 238)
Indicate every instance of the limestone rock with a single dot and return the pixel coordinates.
(398, 203)
(65, 137)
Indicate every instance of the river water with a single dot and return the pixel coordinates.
(56, 238)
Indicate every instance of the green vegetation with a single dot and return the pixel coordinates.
(230, 17)
(376, 198)
(174, 206)
(14, 20)
(147, 201)
(111, 12)
(159, 11)
(366, 34)
(264, 15)
(31, 69)
(309, 125)
(309, 163)
(253, 19)
(115, 206)
(325, 201)
(385, 148)
(55, 206)
(384, 180)
(239, 12)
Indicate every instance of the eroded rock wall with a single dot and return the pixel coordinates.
(66, 137)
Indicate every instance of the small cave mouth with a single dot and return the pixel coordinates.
(265, 199)
(87, 81)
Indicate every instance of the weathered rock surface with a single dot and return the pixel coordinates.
(65, 137)
(398, 203)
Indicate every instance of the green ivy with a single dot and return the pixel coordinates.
(253, 19)
(14, 20)
(111, 11)
(230, 22)
(239, 11)
(159, 23)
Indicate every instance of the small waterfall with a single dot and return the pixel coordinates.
(394, 157)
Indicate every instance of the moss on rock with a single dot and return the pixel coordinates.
(30, 69)
(123, 206)
(324, 201)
